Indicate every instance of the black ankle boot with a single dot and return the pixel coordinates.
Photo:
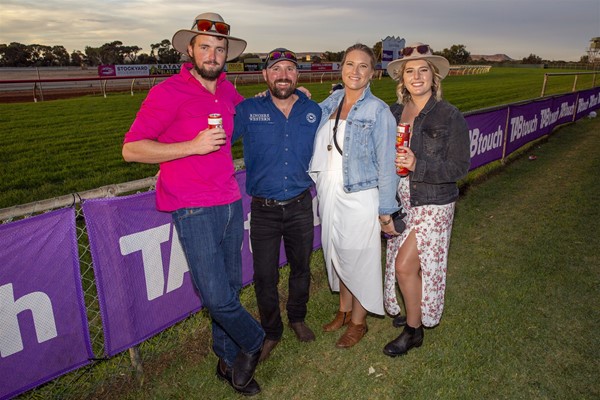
(409, 338)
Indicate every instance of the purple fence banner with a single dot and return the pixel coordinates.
(524, 124)
(43, 325)
(487, 133)
(141, 273)
(562, 111)
(588, 100)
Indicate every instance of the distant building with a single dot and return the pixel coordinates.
(594, 50)
(391, 47)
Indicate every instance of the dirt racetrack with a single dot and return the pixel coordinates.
(21, 92)
(13, 89)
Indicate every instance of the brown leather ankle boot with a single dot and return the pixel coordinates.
(341, 318)
(354, 333)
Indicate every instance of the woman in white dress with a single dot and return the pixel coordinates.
(353, 166)
(437, 157)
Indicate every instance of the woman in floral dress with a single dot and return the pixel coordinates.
(437, 157)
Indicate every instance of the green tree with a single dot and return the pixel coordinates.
(532, 59)
(164, 53)
(78, 58)
(457, 54)
(15, 55)
(112, 53)
(61, 56)
(40, 55)
(130, 53)
(146, 58)
(333, 56)
(93, 55)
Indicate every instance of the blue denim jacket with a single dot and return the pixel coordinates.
(441, 143)
(369, 151)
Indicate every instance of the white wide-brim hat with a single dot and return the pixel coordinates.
(183, 37)
(442, 65)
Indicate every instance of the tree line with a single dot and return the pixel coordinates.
(37, 55)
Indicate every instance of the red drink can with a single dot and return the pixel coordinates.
(402, 139)
(215, 121)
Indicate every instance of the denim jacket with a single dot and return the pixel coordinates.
(369, 152)
(441, 143)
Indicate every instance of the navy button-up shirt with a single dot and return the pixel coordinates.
(277, 150)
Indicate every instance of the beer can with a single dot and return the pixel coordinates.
(215, 121)
(402, 140)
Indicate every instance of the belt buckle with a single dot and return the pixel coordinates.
(270, 202)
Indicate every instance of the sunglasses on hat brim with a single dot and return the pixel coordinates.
(278, 55)
(422, 49)
(205, 25)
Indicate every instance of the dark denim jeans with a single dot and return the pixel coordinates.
(268, 225)
(211, 238)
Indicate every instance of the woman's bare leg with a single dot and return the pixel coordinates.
(408, 274)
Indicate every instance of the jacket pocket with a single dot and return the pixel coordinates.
(435, 141)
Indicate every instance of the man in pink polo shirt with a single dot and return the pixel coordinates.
(197, 186)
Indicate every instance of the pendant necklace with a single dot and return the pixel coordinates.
(329, 146)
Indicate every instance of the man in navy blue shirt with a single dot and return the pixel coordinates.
(278, 133)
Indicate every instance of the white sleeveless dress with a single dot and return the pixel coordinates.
(350, 231)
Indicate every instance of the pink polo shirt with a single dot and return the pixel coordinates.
(177, 110)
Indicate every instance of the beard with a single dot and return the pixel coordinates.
(208, 74)
(282, 93)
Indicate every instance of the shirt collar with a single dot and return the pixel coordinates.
(301, 96)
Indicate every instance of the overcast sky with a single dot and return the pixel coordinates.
(550, 29)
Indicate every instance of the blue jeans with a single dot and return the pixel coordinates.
(211, 238)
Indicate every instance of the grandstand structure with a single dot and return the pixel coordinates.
(593, 50)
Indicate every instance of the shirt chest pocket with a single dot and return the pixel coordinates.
(263, 137)
(361, 132)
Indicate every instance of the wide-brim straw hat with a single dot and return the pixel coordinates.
(442, 65)
(183, 37)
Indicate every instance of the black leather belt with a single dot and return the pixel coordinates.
(273, 203)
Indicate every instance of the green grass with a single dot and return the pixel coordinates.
(53, 148)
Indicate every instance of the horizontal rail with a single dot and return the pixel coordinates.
(9, 213)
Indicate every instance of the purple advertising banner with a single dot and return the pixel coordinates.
(525, 124)
(141, 272)
(562, 111)
(588, 100)
(43, 325)
(487, 133)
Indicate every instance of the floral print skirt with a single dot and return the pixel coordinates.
(432, 225)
